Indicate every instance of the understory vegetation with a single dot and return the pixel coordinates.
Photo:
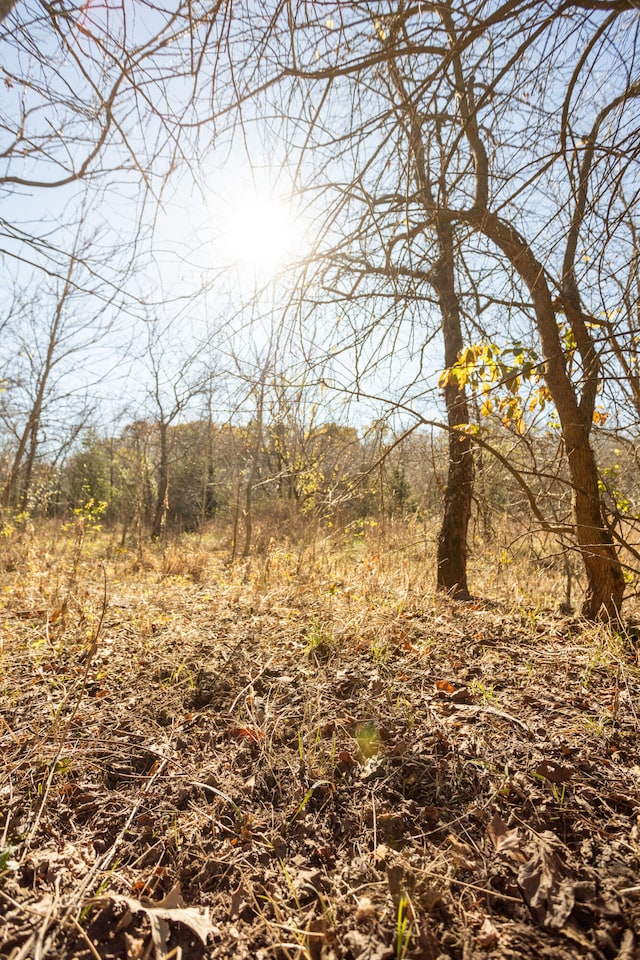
(279, 483)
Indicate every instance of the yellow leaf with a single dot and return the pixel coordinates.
(470, 429)
(600, 417)
(382, 33)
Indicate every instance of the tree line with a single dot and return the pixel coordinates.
(287, 481)
(325, 472)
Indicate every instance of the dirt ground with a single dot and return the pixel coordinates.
(319, 763)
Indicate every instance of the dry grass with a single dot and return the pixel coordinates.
(329, 760)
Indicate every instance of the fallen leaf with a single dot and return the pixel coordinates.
(448, 691)
(463, 855)
(546, 888)
(627, 946)
(554, 772)
(316, 937)
(505, 840)
(247, 733)
(134, 946)
(238, 901)
(487, 934)
(366, 911)
(432, 814)
(170, 910)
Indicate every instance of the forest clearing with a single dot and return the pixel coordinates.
(309, 755)
(319, 480)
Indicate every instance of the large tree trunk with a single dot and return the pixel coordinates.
(452, 537)
(13, 491)
(451, 576)
(605, 582)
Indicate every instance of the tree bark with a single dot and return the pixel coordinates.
(451, 575)
(452, 537)
(162, 500)
(253, 469)
(6, 6)
(605, 581)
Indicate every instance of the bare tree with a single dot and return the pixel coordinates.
(496, 97)
(175, 381)
(44, 376)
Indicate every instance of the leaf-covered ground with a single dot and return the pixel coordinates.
(307, 759)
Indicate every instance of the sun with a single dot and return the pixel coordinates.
(259, 231)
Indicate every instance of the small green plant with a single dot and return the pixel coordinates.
(559, 793)
(558, 790)
(609, 485)
(379, 651)
(309, 795)
(484, 692)
(88, 515)
(17, 522)
(404, 707)
(101, 889)
(86, 520)
(180, 674)
(5, 858)
(598, 726)
(317, 634)
(289, 881)
(404, 927)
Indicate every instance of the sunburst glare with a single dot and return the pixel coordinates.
(259, 231)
